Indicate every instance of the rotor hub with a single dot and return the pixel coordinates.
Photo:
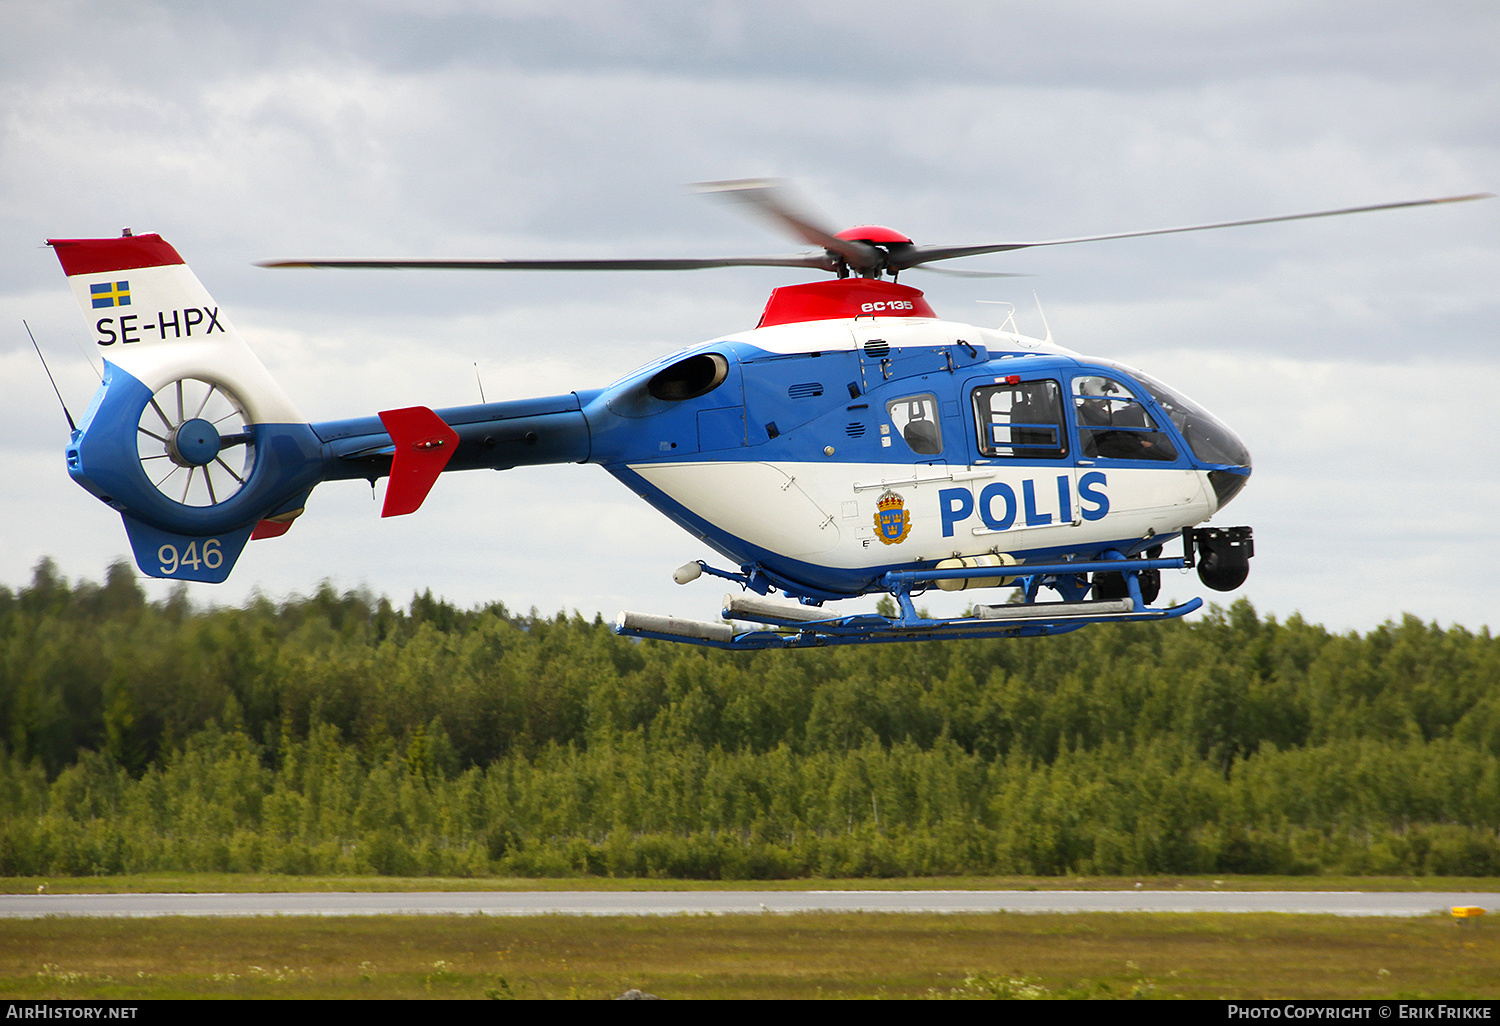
(194, 443)
(879, 243)
(878, 234)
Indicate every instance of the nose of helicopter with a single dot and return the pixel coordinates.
(1214, 445)
(1227, 483)
(1212, 441)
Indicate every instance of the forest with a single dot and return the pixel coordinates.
(340, 734)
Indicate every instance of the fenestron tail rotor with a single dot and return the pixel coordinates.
(194, 442)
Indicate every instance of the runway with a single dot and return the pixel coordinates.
(667, 903)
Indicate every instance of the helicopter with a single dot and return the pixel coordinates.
(851, 443)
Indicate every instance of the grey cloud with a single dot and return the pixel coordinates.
(447, 128)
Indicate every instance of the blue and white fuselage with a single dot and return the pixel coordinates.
(783, 464)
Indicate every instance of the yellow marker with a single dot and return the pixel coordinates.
(1466, 911)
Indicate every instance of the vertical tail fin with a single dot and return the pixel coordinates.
(188, 437)
(153, 318)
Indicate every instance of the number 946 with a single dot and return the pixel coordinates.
(209, 556)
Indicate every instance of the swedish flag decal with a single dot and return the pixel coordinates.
(110, 294)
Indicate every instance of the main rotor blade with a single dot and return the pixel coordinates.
(918, 255)
(773, 200)
(954, 272)
(818, 261)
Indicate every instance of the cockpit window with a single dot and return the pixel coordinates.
(1209, 439)
(1112, 423)
(915, 418)
(1021, 419)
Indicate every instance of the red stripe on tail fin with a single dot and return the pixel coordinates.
(92, 256)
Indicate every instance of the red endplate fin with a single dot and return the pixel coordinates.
(424, 444)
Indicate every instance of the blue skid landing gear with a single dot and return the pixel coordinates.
(784, 625)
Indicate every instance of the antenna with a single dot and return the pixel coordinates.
(1042, 315)
(71, 426)
(1010, 313)
(482, 399)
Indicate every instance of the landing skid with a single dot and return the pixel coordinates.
(787, 625)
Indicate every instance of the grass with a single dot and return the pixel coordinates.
(219, 883)
(765, 956)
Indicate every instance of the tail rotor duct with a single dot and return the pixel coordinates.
(194, 442)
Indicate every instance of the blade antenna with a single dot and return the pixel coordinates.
(71, 426)
(1043, 315)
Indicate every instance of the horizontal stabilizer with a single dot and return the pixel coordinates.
(182, 557)
(424, 444)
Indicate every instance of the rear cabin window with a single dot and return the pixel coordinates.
(1113, 425)
(1022, 420)
(915, 418)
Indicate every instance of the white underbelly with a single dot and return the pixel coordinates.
(833, 514)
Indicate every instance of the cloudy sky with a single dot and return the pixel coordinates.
(1356, 356)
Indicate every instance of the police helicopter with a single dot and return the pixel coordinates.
(852, 442)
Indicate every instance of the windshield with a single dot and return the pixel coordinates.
(1209, 439)
(1113, 424)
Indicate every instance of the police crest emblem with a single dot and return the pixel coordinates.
(892, 521)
